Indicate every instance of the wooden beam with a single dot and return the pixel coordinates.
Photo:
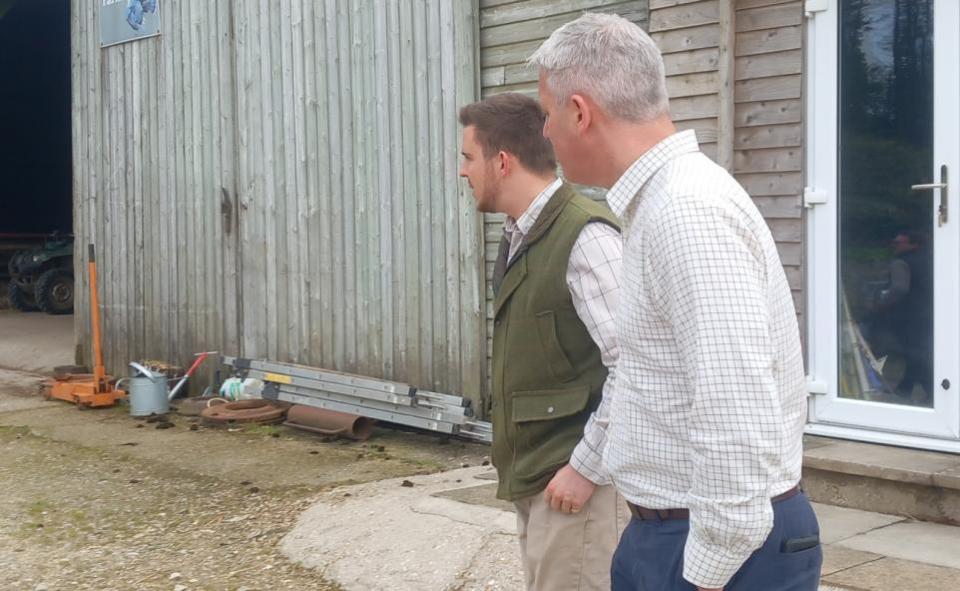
(726, 65)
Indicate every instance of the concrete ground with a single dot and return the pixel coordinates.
(35, 342)
(98, 500)
(447, 531)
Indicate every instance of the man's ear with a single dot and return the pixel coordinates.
(583, 111)
(503, 163)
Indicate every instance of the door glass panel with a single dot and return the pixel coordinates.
(885, 229)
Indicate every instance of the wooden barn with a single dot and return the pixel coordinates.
(279, 180)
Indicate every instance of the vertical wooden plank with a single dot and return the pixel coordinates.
(187, 204)
(471, 282)
(136, 277)
(348, 297)
(424, 175)
(376, 194)
(303, 207)
(398, 296)
(325, 188)
(437, 198)
(242, 91)
(412, 117)
(121, 280)
(186, 213)
(265, 193)
(278, 261)
(174, 282)
(311, 351)
(453, 300)
(212, 232)
(386, 196)
(147, 271)
(160, 223)
(725, 64)
(104, 204)
(109, 292)
(260, 257)
(128, 204)
(168, 285)
(337, 84)
(208, 193)
(228, 147)
(98, 209)
(248, 314)
(369, 245)
(287, 226)
(196, 189)
(79, 120)
(358, 300)
(180, 302)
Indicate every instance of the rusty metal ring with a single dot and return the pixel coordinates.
(261, 412)
(193, 406)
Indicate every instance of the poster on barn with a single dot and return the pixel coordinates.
(128, 20)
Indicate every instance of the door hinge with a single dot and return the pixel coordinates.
(817, 387)
(812, 7)
(812, 197)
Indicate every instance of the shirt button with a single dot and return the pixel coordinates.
(549, 410)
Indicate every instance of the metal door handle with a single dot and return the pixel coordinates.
(942, 187)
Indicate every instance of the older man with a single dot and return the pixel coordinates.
(554, 349)
(709, 405)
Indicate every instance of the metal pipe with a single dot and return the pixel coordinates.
(329, 422)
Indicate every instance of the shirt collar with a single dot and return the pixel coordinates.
(526, 220)
(629, 185)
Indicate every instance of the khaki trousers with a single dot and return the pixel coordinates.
(570, 552)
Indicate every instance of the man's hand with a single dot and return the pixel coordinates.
(568, 491)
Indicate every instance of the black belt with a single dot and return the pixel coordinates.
(666, 514)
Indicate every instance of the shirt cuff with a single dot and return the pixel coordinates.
(589, 463)
(709, 565)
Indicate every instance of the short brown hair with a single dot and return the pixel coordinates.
(512, 122)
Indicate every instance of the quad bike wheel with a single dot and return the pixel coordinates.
(21, 300)
(55, 292)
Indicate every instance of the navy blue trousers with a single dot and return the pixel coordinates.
(650, 555)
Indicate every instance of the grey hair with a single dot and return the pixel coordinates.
(610, 59)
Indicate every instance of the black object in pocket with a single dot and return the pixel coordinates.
(800, 544)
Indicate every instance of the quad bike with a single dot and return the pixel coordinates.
(43, 278)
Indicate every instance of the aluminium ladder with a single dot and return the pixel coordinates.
(383, 400)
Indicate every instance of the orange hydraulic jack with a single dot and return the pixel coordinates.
(96, 389)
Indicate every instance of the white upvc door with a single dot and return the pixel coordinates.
(883, 113)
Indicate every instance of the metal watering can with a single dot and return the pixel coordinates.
(147, 392)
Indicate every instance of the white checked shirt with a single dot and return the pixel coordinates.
(593, 279)
(709, 405)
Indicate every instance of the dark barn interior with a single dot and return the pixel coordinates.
(35, 167)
